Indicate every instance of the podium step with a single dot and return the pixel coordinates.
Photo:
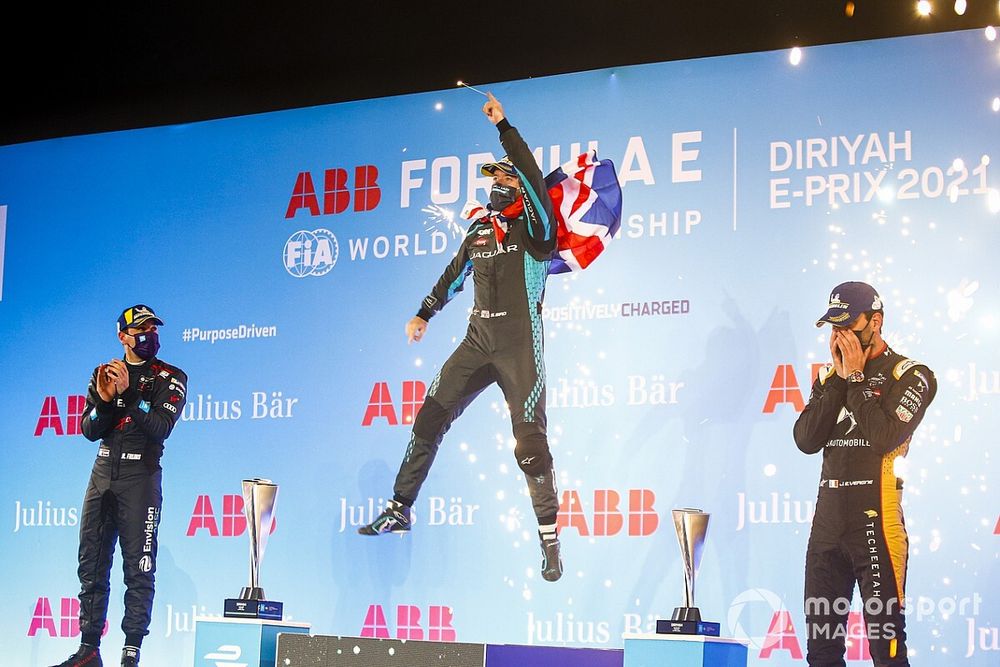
(330, 651)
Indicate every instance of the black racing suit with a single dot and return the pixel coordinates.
(509, 261)
(858, 534)
(123, 497)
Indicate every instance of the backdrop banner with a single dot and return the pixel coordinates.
(285, 252)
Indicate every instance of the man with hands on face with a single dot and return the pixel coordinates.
(507, 250)
(132, 406)
(861, 414)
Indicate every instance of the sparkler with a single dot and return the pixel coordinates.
(462, 83)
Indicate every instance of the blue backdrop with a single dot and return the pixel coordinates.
(676, 364)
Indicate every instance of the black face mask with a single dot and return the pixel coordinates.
(865, 344)
(502, 196)
(147, 344)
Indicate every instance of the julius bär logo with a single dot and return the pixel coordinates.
(50, 418)
(380, 403)
(336, 193)
(234, 521)
(785, 387)
(310, 253)
(44, 621)
(609, 516)
(409, 624)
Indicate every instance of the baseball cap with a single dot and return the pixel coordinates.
(135, 315)
(504, 165)
(848, 301)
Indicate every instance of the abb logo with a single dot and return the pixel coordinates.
(49, 417)
(336, 195)
(234, 521)
(781, 637)
(439, 627)
(608, 516)
(785, 387)
(43, 620)
(380, 405)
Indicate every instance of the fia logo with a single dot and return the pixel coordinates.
(310, 253)
(226, 656)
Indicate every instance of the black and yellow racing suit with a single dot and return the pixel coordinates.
(858, 534)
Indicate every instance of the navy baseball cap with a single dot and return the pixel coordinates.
(504, 165)
(848, 301)
(138, 314)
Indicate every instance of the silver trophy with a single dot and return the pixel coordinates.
(259, 499)
(692, 527)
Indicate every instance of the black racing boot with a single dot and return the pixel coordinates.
(85, 656)
(130, 656)
(552, 567)
(395, 518)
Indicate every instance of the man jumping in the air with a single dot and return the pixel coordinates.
(508, 252)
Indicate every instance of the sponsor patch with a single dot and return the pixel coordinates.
(904, 415)
(902, 367)
(170, 407)
(839, 318)
(144, 406)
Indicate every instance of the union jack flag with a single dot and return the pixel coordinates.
(587, 203)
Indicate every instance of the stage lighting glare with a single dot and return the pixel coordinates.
(994, 200)
(849, 9)
(958, 164)
(795, 56)
(924, 8)
(996, 103)
(991, 33)
(960, 7)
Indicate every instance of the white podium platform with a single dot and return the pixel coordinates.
(248, 641)
(656, 650)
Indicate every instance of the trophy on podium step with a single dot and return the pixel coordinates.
(692, 527)
(259, 499)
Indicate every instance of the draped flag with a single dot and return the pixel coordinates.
(587, 203)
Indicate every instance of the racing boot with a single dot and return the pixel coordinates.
(130, 656)
(85, 656)
(395, 518)
(552, 567)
